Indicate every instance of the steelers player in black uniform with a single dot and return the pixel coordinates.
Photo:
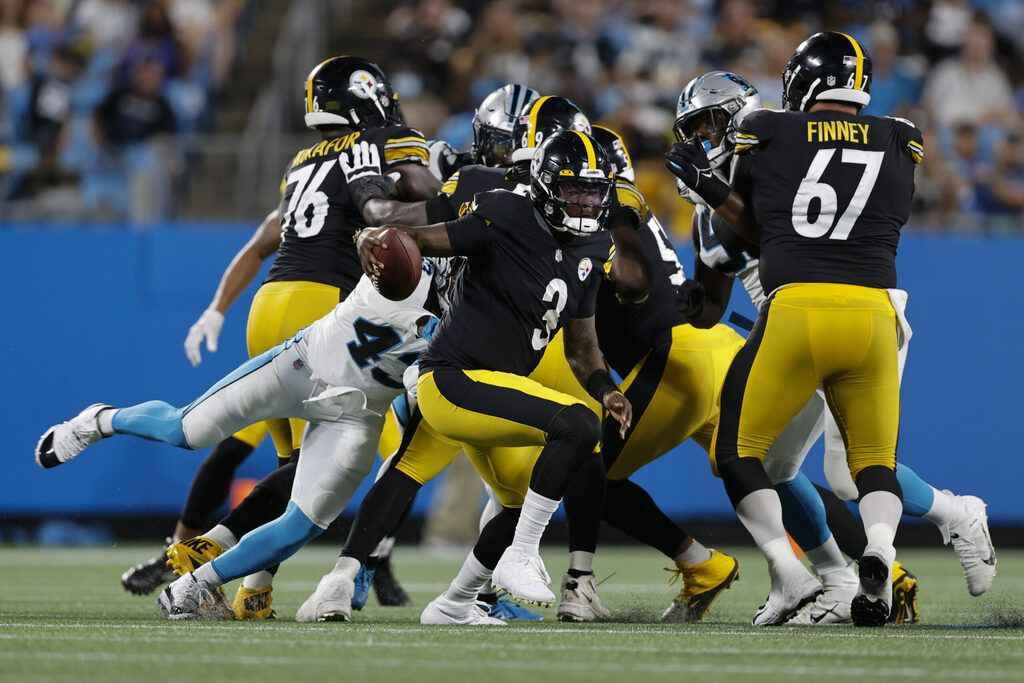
(532, 264)
(347, 100)
(824, 192)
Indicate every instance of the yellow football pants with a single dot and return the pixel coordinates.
(278, 311)
(842, 337)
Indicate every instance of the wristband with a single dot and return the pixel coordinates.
(600, 383)
(712, 189)
(370, 187)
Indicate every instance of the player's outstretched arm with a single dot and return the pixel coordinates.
(237, 276)
(431, 240)
(373, 192)
(584, 357)
(385, 211)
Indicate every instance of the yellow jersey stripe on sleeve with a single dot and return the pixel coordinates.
(403, 153)
(608, 261)
(450, 185)
(916, 151)
(629, 196)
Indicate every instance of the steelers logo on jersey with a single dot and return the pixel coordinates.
(584, 270)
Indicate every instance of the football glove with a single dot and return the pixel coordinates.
(444, 160)
(208, 328)
(689, 163)
(363, 160)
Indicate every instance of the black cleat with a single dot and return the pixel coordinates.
(867, 609)
(389, 592)
(143, 579)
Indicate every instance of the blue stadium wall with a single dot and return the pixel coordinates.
(100, 314)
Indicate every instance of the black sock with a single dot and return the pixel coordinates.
(629, 508)
(212, 482)
(264, 503)
(846, 528)
(380, 512)
(584, 505)
(496, 535)
(577, 573)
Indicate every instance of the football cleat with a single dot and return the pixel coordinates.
(386, 587)
(188, 598)
(187, 556)
(63, 442)
(833, 605)
(524, 577)
(362, 583)
(870, 607)
(143, 579)
(792, 588)
(702, 583)
(506, 610)
(331, 601)
(904, 596)
(254, 603)
(580, 601)
(444, 612)
(973, 544)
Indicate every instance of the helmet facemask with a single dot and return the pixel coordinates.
(492, 146)
(711, 128)
(579, 206)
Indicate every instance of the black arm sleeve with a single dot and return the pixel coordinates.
(440, 210)
(469, 236)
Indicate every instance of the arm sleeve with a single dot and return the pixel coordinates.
(469, 236)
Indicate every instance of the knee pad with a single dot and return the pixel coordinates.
(576, 423)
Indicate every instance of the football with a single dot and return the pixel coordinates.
(398, 278)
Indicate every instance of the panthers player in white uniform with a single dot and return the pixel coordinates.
(340, 374)
(710, 109)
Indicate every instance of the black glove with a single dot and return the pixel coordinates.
(689, 162)
(690, 299)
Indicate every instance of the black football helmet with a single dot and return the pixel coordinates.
(541, 119)
(827, 67)
(352, 92)
(571, 183)
(615, 147)
(494, 120)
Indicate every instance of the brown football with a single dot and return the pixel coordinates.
(402, 266)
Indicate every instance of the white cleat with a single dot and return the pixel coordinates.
(580, 601)
(973, 544)
(792, 588)
(444, 612)
(873, 602)
(188, 598)
(524, 577)
(331, 601)
(833, 605)
(63, 442)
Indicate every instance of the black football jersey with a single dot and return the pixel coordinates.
(830, 191)
(521, 283)
(458, 191)
(318, 216)
(626, 333)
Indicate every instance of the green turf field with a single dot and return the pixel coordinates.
(64, 616)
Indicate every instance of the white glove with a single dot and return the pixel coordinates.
(363, 161)
(208, 328)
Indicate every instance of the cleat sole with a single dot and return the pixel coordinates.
(45, 457)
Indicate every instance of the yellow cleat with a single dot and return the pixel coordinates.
(254, 603)
(187, 556)
(701, 585)
(904, 596)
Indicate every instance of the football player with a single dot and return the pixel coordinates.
(828, 274)
(709, 110)
(342, 396)
(531, 262)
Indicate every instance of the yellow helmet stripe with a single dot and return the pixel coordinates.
(625, 150)
(858, 78)
(309, 84)
(531, 131)
(591, 154)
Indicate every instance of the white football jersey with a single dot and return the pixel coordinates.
(368, 341)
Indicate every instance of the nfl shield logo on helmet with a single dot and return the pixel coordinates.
(831, 80)
(584, 270)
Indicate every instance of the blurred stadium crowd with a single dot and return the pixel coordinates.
(95, 91)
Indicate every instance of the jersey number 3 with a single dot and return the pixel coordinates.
(812, 188)
(555, 293)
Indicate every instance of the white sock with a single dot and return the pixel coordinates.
(943, 511)
(533, 519)
(761, 514)
(105, 422)
(826, 557)
(207, 575)
(470, 580)
(582, 561)
(347, 566)
(259, 580)
(695, 554)
(222, 536)
(880, 512)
